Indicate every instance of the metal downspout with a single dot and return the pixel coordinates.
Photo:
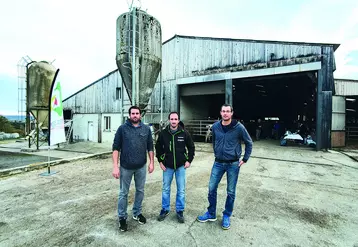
(134, 85)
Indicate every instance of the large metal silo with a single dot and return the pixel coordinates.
(40, 76)
(139, 42)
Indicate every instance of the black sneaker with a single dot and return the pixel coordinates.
(180, 216)
(123, 227)
(140, 218)
(163, 213)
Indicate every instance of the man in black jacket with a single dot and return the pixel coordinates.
(174, 159)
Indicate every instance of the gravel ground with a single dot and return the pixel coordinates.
(285, 197)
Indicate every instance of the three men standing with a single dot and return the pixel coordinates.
(175, 152)
(132, 141)
(227, 137)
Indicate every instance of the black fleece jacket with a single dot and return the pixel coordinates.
(174, 149)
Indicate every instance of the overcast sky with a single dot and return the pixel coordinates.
(81, 35)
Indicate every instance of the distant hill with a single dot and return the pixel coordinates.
(16, 118)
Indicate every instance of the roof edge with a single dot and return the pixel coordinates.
(90, 85)
(352, 80)
(335, 46)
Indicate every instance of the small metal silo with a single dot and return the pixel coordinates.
(40, 76)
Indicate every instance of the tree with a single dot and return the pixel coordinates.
(7, 127)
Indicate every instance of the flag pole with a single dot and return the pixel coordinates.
(49, 173)
(48, 161)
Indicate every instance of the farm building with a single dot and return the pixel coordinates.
(290, 82)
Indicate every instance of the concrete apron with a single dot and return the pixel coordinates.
(41, 165)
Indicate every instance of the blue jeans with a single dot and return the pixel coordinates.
(232, 172)
(167, 181)
(125, 180)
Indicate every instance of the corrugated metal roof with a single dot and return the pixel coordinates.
(184, 56)
(98, 97)
(345, 87)
(335, 46)
(114, 71)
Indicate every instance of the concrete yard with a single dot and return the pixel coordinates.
(12, 159)
(286, 196)
(14, 154)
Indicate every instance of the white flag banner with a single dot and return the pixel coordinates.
(57, 126)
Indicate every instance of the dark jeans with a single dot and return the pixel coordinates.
(125, 182)
(232, 170)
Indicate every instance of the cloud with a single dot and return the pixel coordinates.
(9, 95)
(81, 35)
(9, 113)
(347, 54)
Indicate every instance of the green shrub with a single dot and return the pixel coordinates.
(9, 127)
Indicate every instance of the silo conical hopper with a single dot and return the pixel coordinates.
(148, 53)
(40, 77)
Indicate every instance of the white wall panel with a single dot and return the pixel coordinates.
(338, 113)
(346, 87)
(80, 126)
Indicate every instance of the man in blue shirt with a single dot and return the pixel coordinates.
(227, 136)
(132, 141)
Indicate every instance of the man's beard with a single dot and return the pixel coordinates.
(134, 121)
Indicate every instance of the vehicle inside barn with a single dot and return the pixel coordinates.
(281, 102)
